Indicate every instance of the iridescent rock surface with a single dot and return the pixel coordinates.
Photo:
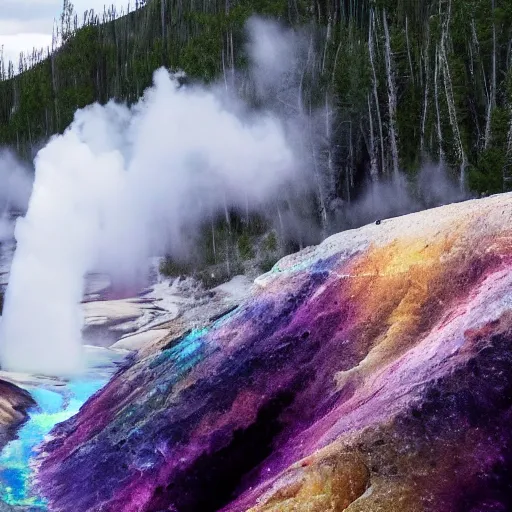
(371, 373)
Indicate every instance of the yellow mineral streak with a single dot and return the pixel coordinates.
(393, 284)
(328, 484)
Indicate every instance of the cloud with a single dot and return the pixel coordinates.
(29, 10)
(83, 5)
(13, 27)
(14, 45)
(28, 24)
(25, 25)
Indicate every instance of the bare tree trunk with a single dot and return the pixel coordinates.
(327, 41)
(347, 184)
(226, 213)
(228, 266)
(318, 177)
(336, 61)
(507, 169)
(471, 61)
(162, 17)
(409, 48)
(224, 74)
(492, 99)
(494, 51)
(473, 64)
(351, 158)
(476, 44)
(509, 53)
(47, 124)
(328, 137)
(214, 247)
(300, 101)
(438, 113)
(2, 64)
(54, 76)
(509, 137)
(375, 91)
(29, 134)
(391, 97)
(232, 59)
(374, 172)
(281, 223)
(425, 98)
(461, 154)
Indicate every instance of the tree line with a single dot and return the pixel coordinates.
(399, 81)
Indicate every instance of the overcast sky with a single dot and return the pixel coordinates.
(25, 24)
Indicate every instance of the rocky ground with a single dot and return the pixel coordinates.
(371, 373)
(169, 306)
(115, 330)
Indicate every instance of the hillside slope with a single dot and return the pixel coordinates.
(371, 373)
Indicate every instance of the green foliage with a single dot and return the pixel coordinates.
(500, 119)
(486, 177)
(267, 264)
(270, 243)
(171, 267)
(200, 57)
(245, 247)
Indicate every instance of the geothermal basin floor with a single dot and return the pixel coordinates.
(57, 400)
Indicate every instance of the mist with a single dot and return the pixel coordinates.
(282, 61)
(399, 195)
(277, 80)
(15, 187)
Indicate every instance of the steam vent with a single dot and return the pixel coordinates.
(370, 373)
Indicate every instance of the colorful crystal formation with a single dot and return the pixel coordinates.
(371, 373)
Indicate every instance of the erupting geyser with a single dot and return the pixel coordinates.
(125, 183)
(122, 184)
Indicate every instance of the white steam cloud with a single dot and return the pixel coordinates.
(16, 182)
(122, 184)
(15, 188)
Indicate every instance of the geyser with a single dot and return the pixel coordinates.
(122, 184)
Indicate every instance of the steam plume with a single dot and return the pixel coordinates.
(15, 183)
(119, 185)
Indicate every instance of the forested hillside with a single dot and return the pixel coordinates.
(399, 81)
